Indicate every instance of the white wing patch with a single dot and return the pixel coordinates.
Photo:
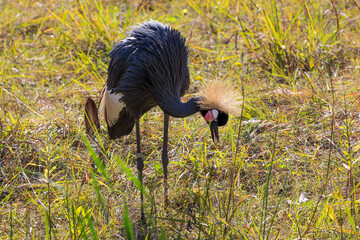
(111, 106)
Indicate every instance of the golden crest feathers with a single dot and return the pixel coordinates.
(221, 96)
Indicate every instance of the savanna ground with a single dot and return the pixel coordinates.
(287, 168)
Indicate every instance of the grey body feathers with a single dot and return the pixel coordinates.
(148, 68)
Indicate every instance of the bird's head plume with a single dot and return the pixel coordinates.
(217, 100)
(221, 96)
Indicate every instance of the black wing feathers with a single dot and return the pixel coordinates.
(123, 126)
(149, 68)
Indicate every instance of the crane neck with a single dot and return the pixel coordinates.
(179, 109)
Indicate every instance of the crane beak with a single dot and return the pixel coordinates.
(214, 131)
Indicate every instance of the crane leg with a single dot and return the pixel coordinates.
(165, 159)
(140, 167)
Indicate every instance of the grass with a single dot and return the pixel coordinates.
(296, 65)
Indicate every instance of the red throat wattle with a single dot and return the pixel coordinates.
(211, 115)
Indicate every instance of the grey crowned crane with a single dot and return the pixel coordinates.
(150, 68)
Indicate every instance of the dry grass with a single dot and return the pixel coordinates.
(296, 66)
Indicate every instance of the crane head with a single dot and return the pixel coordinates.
(215, 119)
(216, 101)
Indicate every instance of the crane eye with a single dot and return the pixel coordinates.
(211, 115)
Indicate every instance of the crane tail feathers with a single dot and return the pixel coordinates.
(91, 118)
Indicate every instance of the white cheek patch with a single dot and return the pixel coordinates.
(211, 115)
(111, 106)
(215, 113)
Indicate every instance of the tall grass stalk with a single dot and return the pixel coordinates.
(329, 157)
(127, 223)
(264, 210)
